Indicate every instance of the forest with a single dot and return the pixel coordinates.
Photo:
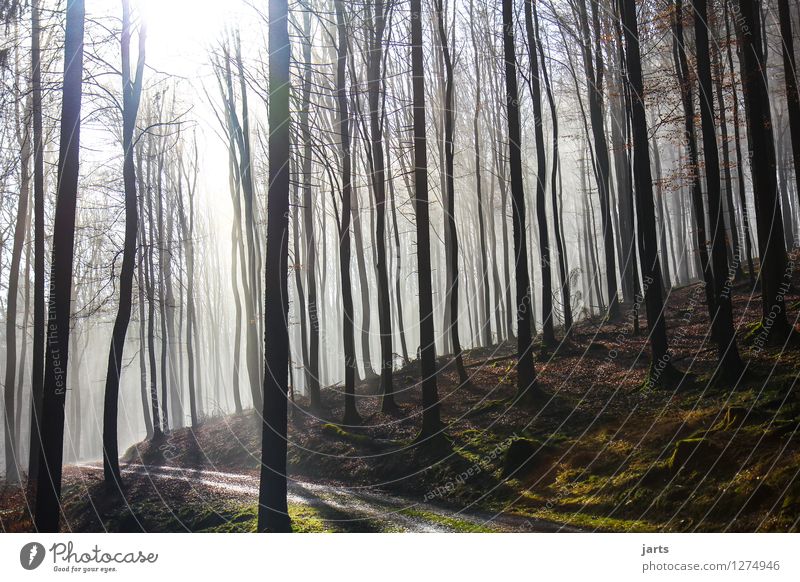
(399, 265)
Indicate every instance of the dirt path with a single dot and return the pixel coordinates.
(354, 508)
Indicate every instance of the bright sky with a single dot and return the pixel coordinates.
(180, 34)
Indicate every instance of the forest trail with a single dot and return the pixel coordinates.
(355, 508)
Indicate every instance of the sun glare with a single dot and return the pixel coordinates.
(179, 31)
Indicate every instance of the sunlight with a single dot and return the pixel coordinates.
(178, 31)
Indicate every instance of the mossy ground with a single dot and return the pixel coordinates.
(607, 454)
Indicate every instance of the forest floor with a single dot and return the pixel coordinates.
(601, 451)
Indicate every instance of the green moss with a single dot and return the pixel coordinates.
(595, 522)
(694, 454)
(338, 431)
(454, 523)
(523, 456)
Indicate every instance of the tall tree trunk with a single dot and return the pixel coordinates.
(662, 220)
(526, 372)
(297, 255)
(594, 74)
(312, 364)
(645, 211)
(166, 388)
(48, 491)
(620, 133)
(252, 290)
(148, 423)
(272, 507)
(431, 419)
(37, 361)
(733, 228)
(375, 91)
(131, 93)
(721, 314)
(401, 328)
(548, 328)
(775, 274)
(450, 209)
(790, 79)
(159, 421)
(187, 230)
(555, 170)
(687, 98)
(351, 416)
(484, 325)
(366, 310)
(12, 471)
(740, 183)
(23, 356)
(175, 391)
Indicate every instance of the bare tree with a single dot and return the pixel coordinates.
(272, 504)
(131, 95)
(48, 491)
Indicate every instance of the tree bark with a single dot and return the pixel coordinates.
(48, 493)
(721, 313)
(351, 416)
(37, 360)
(272, 508)
(450, 209)
(645, 211)
(775, 274)
(431, 419)
(526, 372)
(131, 94)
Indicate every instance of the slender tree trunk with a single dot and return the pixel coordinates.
(131, 93)
(159, 422)
(366, 309)
(187, 230)
(450, 210)
(721, 313)
(48, 492)
(775, 274)
(166, 411)
(23, 356)
(12, 471)
(594, 74)
(526, 372)
(563, 268)
(790, 79)
(37, 360)
(431, 419)
(272, 507)
(740, 183)
(148, 423)
(401, 328)
(375, 91)
(484, 325)
(351, 416)
(312, 363)
(645, 212)
(687, 97)
(662, 231)
(548, 329)
(732, 229)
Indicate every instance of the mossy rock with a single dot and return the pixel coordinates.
(694, 454)
(523, 456)
(791, 501)
(735, 417)
(338, 431)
